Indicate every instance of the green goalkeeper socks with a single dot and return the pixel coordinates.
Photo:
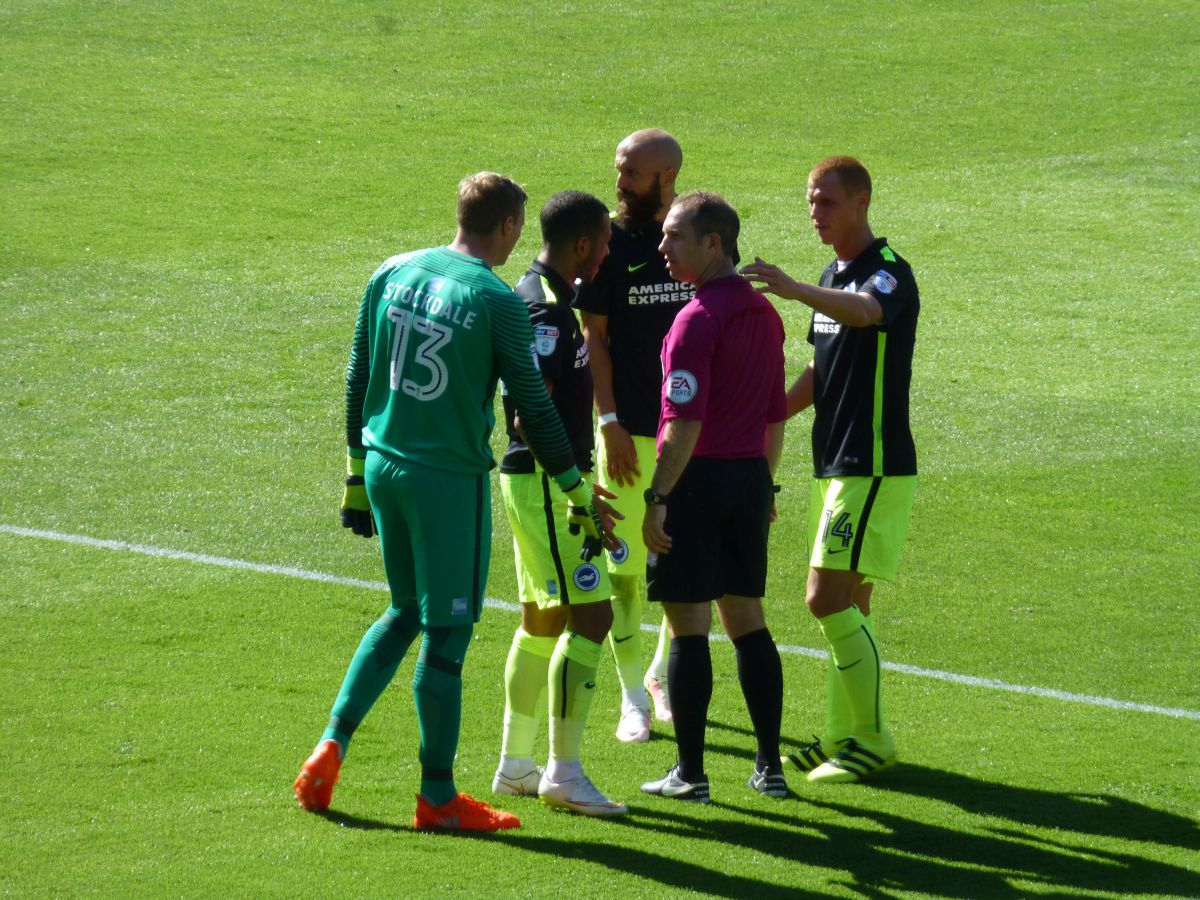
(525, 691)
(572, 688)
(437, 689)
(371, 670)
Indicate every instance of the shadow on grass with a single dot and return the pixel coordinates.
(346, 820)
(1094, 814)
(877, 854)
(358, 823)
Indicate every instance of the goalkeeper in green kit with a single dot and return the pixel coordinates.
(435, 331)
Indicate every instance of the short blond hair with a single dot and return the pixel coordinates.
(850, 173)
(486, 199)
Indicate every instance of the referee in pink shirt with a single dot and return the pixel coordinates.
(709, 506)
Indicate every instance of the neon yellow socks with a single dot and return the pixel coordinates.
(658, 665)
(855, 670)
(625, 638)
(525, 692)
(572, 688)
(839, 721)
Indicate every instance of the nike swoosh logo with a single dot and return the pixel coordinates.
(617, 640)
(851, 666)
(831, 552)
(633, 269)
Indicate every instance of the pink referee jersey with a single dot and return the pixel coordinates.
(723, 365)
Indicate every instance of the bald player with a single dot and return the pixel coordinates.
(626, 312)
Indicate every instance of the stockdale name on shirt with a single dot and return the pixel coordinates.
(426, 301)
(667, 292)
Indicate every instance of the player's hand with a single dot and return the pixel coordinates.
(608, 516)
(654, 531)
(593, 517)
(621, 455)
(771, 279)
(581, 514)
(356, 508)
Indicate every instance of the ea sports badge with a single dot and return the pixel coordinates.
(545, 338)
(681, 386)
(586, 577)
(621, 553)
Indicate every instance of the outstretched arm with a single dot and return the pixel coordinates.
(854, 308)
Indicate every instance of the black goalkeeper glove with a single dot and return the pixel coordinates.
(356, 508)
(582, 517)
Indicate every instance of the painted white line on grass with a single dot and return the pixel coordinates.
(292, 572)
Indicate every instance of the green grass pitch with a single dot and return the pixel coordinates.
(192, 198)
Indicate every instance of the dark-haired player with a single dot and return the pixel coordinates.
(708, 506)
(565, 608)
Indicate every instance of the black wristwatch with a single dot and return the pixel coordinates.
(654, 498)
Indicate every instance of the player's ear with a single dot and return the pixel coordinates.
(667, 177)
(583, 246)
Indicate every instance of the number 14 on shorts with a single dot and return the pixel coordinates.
(839, 528)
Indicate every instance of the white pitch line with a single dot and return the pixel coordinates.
(292, 572)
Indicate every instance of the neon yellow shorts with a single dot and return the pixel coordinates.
(630, 559)
(858, 524)
(549, 570)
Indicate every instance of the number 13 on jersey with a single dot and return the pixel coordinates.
(435, 336)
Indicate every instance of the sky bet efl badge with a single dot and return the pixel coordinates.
(545, 338)
(885, 282)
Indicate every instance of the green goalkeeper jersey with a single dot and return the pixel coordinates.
(435, 331)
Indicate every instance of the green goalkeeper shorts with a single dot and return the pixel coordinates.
(550, 571)
(858, 524)
(435, 532)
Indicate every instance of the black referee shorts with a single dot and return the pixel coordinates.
(718, 516)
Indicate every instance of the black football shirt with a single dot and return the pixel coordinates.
(862, 375)
(634, 290)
